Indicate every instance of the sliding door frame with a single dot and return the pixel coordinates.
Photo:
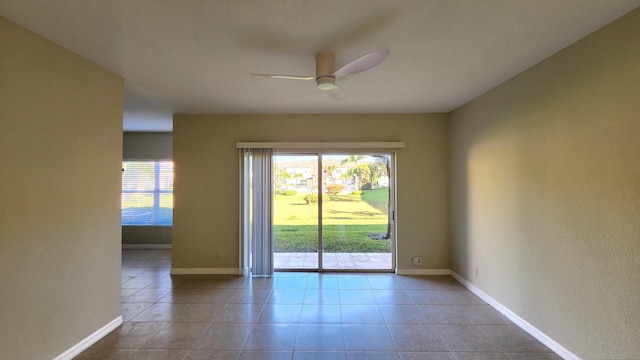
(320, 148)
(392, 202)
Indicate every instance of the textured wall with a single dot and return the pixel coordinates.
(546, 193)
(206, 183)
(60, 151)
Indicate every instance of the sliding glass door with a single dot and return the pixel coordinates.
(356, 226)
(333, 212)
(295, 212)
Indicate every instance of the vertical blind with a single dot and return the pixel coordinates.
(147, 193)
(256, 230)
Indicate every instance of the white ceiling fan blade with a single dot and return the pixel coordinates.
(336, 93)
(288, 77)
(364, 62)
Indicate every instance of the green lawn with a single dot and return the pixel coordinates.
(349, 221)
(377, 198)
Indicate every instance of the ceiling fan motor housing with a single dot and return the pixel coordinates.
(325, 66)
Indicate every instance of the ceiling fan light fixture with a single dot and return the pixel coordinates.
(326, 83)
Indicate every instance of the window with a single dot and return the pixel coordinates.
(147, 193)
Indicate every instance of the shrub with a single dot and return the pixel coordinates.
(357, 192)
(289, 192)
(335, 189)
(311, 198)
(366, 186)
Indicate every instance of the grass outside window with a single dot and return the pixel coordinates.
(352, 223)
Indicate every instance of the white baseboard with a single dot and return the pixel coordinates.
(205, 271)
(520, 322)
(423, 271)
(146, 246)
(89, 340)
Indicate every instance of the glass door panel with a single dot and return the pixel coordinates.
(356, 207)
(295, 212)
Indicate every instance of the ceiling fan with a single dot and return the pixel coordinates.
(326, 74)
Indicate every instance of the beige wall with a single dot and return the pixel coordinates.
(546, 193)
(206, 183)
(147, 146)
(147, 235)
(60, 152)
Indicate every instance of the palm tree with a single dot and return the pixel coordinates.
(386, 160)
(329, 169)
(379, 167)
(281, 177)
(361, 172)
(354, 159)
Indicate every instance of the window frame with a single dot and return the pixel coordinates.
(156, 193)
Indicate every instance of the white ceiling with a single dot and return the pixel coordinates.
(195, 56)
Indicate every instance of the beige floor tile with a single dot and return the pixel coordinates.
(272, 337)
(357, 297)
(372, 355)
(305, 315)
(319, 355)
(186, 296)
(161, 354)
(416, 338)
(427, 356)
(212, 355)
(322, 296)
(479, 356)
(131, 335)
(240, 313)
(511, 338)
(287, 296)
(321, 314)
(392, 297)
(227, 337)
(130, 310)
(402, 314)
(465, 338)
(533, 356)
(266, 355)
(280, 314)
(178, 336)
(446, 314)
(368, 337)
(147, 295)
(328, 337)
(251, 296)
(111, 354)
(361, 314)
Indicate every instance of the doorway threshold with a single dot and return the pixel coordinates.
(308, 261)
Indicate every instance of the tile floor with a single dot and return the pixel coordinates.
(304, 316)
(335, 261)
